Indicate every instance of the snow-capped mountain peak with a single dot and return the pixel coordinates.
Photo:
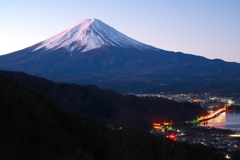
(90, 34)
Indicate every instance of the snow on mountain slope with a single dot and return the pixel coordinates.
(90, 34)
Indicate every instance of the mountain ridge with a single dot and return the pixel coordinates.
(124, 69)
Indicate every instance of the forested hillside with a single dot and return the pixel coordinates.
(34, 127)
(108, 106)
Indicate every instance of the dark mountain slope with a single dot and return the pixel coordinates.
(109, 61)
(129, 70)
(32, 127)
(108, 106)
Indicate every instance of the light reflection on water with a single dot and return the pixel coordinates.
(229, 120)
(218, 122)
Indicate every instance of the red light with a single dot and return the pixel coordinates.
(172, 137)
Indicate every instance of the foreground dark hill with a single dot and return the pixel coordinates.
(91, 52)
(33, 127)
(108, 106)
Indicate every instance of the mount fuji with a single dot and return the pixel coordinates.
(90, 34)
(92, 52)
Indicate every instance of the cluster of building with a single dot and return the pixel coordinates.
(206, 100)
(226, 141)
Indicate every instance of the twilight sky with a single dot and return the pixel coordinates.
(202, 27)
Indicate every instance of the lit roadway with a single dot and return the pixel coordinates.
(212, 115)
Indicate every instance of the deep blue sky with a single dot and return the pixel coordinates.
(202, 27)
